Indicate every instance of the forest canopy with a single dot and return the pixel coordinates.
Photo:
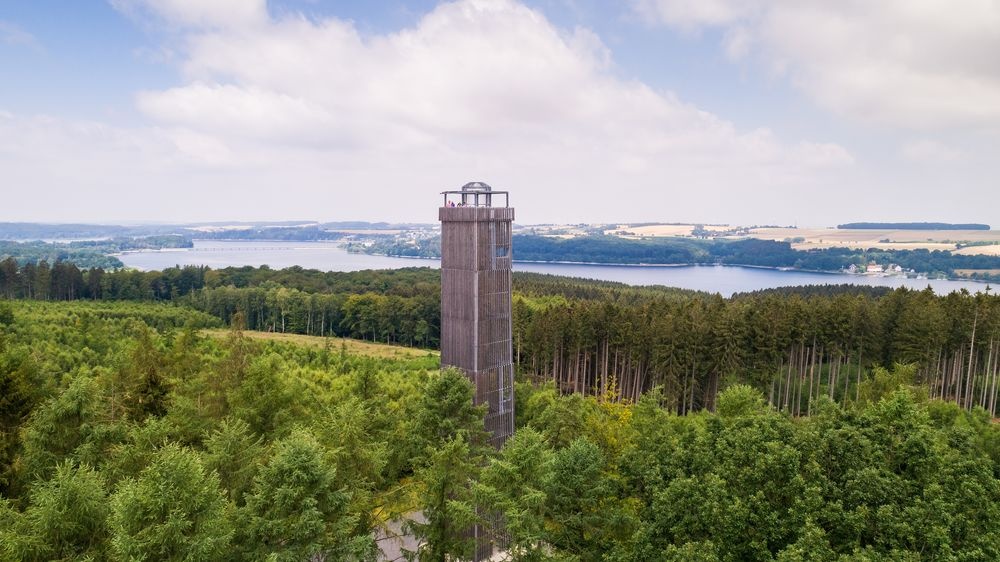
(130, 432)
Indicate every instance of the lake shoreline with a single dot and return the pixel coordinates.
(725, 279)
(564, 262)
(703, 264)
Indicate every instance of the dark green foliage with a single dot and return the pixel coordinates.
(447, 473)
(295, 511)
(17, 399)
(445, 411)
(64, 427)
(913, 226)
(513, 485)
(266, 449)
(146, 366)
(451, 438)
(820, 291)
(874, 483)
(583, 517)
(262, 397)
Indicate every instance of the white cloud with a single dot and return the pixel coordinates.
(198, 13)
(289, 117)
(11, 34)
(477, 89)
(914, 64)
(692, 15)
(927, 151)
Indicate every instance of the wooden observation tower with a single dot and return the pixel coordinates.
(475, 299)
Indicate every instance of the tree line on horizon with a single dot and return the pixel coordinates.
(913, 226)
(691, 251)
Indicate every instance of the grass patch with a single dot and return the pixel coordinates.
(354, 347)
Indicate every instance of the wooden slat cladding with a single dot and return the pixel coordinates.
(476, 307)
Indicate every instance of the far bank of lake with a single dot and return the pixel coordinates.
(329, 256)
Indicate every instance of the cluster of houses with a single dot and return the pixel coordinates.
(875, 269)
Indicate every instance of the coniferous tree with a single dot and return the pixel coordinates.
(65, 519)
(452, 443)
(512, 484)
(174, 510)
(295, 511)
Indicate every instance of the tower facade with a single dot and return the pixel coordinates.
(475, 298)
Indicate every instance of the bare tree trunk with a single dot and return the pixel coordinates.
(957, 377)
(770, 395)
(993, 397)
(986, 375)
(802, 375)
(847, 377)
(831, 378)
(604, 373)
(788, 379)
(972, 344)
(857, 387)
(693, 373)
(938, 386)
(812, 370)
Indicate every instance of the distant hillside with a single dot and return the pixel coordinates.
(911, 226)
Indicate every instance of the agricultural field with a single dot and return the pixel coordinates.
(983, 242)
(817, 238)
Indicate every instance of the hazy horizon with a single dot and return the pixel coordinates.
(304, 222)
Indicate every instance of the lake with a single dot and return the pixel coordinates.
(328, 256)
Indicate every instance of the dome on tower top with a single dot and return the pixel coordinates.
(476, 186)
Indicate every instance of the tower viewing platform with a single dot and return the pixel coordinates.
(475, 201)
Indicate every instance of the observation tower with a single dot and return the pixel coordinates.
(475, 299)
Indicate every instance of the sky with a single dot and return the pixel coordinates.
(749, 112)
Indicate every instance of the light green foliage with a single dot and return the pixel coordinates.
(447, 474)
(445, 411)
(233, 452)
(885, 381)
(137, 448)
(352, 440)
(305, 449)
(174, 510)
(876, 483)
(512, 485)
(740, 400)
(295, 510)
(263, 397)
(812, 546)
(564, 420)
(65, 518)
(78, 372)
(450, 430)
(63, 427)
